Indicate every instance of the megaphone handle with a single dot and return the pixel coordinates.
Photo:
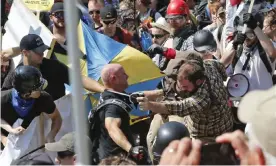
(245, 25)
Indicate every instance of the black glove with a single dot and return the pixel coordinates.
(238, 39)
(138, 153)
(249, 20)
(155, 49)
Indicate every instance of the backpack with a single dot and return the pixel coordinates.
(94, 123)
(262, 54)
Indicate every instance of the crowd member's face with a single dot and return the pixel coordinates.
(58, 19)
(159, 36)
(138, 4)
(109, 26)
(177, 22)
(269, 30)
(5, 67)
(94, 11)
(250, 39)
(32, 95)
(183, 84)
(70, 160)
(34, 58)
(153, 4)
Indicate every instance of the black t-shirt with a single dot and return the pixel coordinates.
(107, 147)
(55, 72)
(44, 103)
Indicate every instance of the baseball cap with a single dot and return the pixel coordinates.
(33, 42)
(162, 24)
(57, 7)
(108, 12)
(66, 143)
(258, 109)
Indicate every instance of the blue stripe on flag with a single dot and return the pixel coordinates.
(100, 50)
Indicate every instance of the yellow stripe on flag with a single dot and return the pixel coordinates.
(138, 72)
(64, 59)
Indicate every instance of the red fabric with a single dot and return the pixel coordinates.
(170, 53)
(235, 2)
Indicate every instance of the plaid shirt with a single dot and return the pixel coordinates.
(206, 112)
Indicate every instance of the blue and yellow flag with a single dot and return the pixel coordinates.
(101, 50)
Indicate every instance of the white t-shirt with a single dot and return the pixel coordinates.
(145, 16)
(256, 72)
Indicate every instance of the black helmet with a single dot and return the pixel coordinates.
(27, 79)
(167, 133)
(204, 41)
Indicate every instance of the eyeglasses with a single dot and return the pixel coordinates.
(109, 22)
(92, 12)
(58, 14)
(157, 36)
(176, 18)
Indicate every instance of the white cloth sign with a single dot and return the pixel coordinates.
(19, 145)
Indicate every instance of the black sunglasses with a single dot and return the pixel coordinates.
(157, 36)
(92, 12)
(109, 22)
(58, 14)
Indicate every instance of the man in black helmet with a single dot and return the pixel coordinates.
(167, 133)
(26, 101)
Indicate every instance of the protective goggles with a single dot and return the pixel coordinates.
(175, 18)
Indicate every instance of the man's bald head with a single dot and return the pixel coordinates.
(114, 77)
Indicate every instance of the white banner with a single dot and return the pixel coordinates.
(20, 145)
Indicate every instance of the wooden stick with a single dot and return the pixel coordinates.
(41, 129)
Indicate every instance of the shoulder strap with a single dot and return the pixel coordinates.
(264, 57)
(126, 107)
(237, 56)
(220, 29)
(152, 15)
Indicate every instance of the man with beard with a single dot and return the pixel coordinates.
(199, 96)
(58, 26)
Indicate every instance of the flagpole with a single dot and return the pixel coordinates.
(79, 115)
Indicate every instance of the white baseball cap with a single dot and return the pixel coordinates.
(259, 109)
(162, 24)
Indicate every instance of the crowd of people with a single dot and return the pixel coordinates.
(198, 45)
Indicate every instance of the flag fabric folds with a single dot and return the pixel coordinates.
(101, 50)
